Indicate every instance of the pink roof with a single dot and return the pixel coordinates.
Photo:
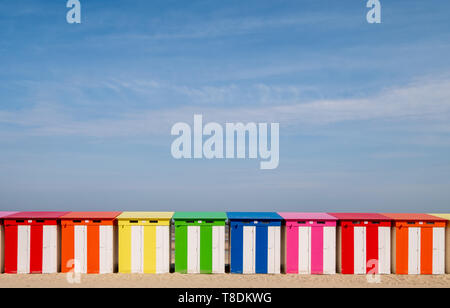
(359, 216)
(306, 216)
(36, 215)
(414, 217)
(91, 215)
(4, 214)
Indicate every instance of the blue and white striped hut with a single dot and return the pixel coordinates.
(254, 242)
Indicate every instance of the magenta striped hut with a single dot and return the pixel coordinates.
(308, 243)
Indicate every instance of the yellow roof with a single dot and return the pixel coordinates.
(445, 216)
(146, 215)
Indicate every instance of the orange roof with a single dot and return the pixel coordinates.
(91, 215)
(415, 217)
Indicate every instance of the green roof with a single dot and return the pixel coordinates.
(200, 215)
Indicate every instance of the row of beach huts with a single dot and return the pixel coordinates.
(204, 242)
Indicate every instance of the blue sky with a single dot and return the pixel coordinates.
(86, 110)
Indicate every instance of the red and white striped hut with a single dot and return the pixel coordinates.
(363, 243)
(32, 242)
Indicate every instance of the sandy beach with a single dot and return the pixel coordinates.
(221, 281)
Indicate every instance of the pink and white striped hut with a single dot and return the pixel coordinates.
(308, 243)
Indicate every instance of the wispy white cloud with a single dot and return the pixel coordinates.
(219, 27)
(397, 155)
(421, 102)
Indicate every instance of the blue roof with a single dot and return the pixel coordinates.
(253, 215)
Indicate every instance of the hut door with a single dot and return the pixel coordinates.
(384, 250)
(414, 251)
(23, 249)
(273, 254)
(194, 249)
(106, 249)
(137, 249)
(329, 250)
(49, 250)
(249, 248)
(162, 249)
(360, 250)
(218, 246)
(438, 251)
(304, 250)
(80, 241)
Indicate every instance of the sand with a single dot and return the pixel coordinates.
(225, 281)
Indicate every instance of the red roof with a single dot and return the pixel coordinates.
(4, 214)
(36, 215)
(91, 215)
(359, 216)
(413, 217)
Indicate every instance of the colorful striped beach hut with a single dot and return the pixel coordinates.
(200, 242)
(418, 244)
(144, 242)
(447, 241)
(88, 242)
(32, 242)
(363, 243)
(308, 243)
(2, 242)
(255, 242)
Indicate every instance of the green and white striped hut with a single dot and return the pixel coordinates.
(200, 242)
